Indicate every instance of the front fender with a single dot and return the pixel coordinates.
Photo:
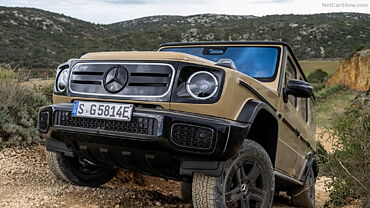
(251, 109)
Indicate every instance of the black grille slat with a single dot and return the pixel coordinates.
(162, 80)
(148, 84)
(191, 136)
(88, 73)
(149, 74)
(86, 82)
(138, 125)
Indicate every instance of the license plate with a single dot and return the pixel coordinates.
(102, 110)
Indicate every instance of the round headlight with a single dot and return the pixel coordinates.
(202, 85)
(62, 80)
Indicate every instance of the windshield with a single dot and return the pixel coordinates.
(254, 61)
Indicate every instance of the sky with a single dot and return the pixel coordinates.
(111, 11)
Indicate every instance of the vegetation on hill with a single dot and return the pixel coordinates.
(330, 102)
(35, 38)
(348, 166)
(18, 109)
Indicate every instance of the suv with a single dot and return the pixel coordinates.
(233, 121)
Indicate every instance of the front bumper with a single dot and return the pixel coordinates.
(159, 142)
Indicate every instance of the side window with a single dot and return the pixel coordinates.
(290, 73)
(303, 106)
(312, 116)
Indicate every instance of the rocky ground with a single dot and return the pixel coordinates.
(25, 182)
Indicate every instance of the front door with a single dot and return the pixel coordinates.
(290, 150)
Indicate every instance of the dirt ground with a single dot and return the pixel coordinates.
(26, 182)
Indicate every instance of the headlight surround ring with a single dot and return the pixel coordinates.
(206, 85)
(62, 80)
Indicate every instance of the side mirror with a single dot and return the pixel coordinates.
(226, 63)
(297, 88)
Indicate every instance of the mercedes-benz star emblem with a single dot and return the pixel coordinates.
(115, 79)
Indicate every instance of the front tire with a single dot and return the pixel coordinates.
(246, 181)
(78, 171)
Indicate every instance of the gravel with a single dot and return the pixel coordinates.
(25, 181)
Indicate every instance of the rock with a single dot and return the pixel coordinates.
(354, 72)
(158, 204)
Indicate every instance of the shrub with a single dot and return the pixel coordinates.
(6, 74)
(18, 110)
(318, 79)
(328, 91)
(318, 76)
(349, 165)
(45, 88)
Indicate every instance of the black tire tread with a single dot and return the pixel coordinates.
(203, 191)
(186, 191)
(55, 168)
(60, 166)
(207, 190)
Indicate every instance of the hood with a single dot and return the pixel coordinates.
(148, 55)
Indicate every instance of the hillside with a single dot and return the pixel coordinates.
(36, 38)
(354, 72)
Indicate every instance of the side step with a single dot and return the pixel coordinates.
(288, 178)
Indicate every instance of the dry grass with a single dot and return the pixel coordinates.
(333, 106)
(329, 66)
(39, 83)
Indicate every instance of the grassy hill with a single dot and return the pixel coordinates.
(35, 38)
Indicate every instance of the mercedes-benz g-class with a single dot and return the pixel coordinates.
(234, 121)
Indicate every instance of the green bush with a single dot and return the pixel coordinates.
(327, 92)
(348, 166)
(318, 76)
(46, 90)
(318, 79)
(19, 104)
(6, 74)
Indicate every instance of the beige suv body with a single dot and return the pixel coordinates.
(202, 113)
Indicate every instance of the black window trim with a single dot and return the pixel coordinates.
(290, 60)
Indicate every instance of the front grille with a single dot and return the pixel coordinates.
(144, 79)
(137, 125)
(191, 136)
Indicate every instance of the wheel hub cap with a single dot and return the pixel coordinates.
(244, 188)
